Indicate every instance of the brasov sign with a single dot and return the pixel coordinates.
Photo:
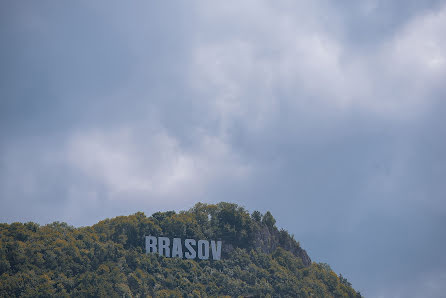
(194, 249)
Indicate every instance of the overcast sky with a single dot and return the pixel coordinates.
(332, 116)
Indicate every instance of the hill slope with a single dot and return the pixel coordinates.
(108, 259)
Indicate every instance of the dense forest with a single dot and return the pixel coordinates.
(108, 259)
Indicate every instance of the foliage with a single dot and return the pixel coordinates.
(268, 219)
(108, 259)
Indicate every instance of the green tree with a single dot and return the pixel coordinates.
(257, 216)
(268, 220)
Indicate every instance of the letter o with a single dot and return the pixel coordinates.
(203, 249)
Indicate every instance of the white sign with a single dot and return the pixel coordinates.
(193, 248)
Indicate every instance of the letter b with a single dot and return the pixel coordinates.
(151, 244)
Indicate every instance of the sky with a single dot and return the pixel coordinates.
(330, 114)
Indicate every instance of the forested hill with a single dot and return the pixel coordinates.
(108, 259)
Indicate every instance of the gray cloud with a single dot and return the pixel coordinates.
(331, 116)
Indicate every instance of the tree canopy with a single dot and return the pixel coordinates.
(108, 258)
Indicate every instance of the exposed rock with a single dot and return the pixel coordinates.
(268, 239)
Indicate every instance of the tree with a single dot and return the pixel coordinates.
(257, 216)
(268, 219)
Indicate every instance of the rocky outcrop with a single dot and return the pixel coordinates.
(268, 239)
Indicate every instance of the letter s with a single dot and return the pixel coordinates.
(192, 254)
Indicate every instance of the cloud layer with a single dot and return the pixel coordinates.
(331, 116)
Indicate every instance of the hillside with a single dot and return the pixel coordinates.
(108, 259)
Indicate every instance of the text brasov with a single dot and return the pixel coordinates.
(192, 248)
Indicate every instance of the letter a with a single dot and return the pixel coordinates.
(177, 249)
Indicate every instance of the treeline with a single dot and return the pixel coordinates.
(108, 258)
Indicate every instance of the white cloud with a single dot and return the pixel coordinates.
(297, 55)
(154, 168)
(420, 48)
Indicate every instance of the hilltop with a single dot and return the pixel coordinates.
(108, 259)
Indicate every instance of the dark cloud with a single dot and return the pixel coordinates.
(329, 115)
